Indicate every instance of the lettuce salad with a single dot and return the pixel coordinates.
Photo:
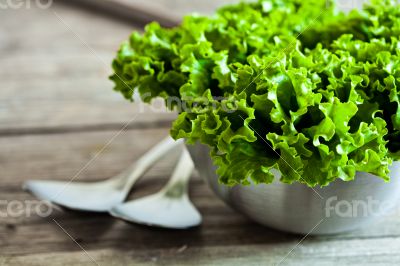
(291, 85)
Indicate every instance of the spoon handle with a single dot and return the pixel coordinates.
(178, 184)
(144, 163)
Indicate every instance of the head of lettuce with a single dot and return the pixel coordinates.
(290, 85)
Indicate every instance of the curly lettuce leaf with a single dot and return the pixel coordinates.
(278, 85)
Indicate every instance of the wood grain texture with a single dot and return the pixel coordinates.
(55, 72)
(58, 111)
(166, 12)
(225, 238)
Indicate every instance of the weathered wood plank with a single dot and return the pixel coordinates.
(87, 103)
(61, 156)
(58, 77)
(311, 253)
(166, 12)
(223, 236)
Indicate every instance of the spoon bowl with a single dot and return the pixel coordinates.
(157, 210)
(98, 197)
(169, 208)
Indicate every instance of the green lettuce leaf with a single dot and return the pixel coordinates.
(291, 86)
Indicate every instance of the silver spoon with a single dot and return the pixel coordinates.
(170, 207)
(99, 196)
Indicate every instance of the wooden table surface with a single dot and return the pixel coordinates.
(58, 111)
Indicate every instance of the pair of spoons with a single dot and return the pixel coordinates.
(169, 208)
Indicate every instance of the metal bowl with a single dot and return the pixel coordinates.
(340, 207)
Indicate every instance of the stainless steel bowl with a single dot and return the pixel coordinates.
(341, 206)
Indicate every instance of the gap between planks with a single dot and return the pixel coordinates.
(65, 129)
